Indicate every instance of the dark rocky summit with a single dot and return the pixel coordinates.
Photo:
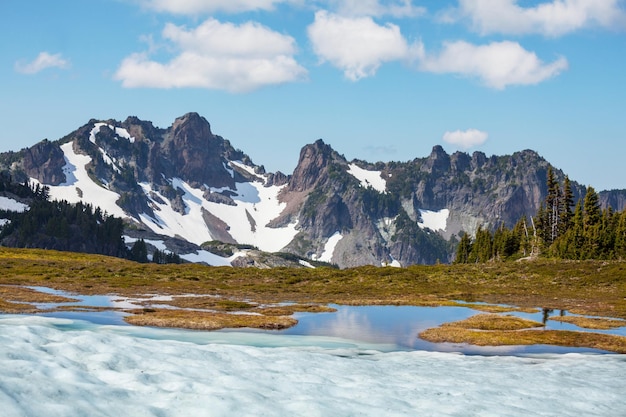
(322, 197)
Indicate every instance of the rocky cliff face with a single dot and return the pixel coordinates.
(186, 184)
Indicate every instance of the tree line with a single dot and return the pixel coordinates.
(64, 226)
(561, 229)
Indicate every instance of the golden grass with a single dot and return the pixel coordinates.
(490, 308)
(288, 310)
(597, 323)
(8, 307)
(587, 287)
(27, 295)
(494, 322)
(494, 331)
(199, 320)
(595, 288)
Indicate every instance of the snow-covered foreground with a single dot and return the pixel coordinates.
(58, 367)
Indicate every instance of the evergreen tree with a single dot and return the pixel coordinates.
(139, 252)
(620, 237)
(464, 249)
(591, 208)
(482, 247)
(565, 216)
(552, 209)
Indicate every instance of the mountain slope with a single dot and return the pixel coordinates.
(185, 184)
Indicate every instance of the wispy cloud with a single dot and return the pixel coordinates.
(376, 8)
(358, 46)
(497, 65)
(465, 139)
(43, 61)
(215, 55)
(552, 18)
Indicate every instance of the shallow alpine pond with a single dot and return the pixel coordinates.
(388, 328)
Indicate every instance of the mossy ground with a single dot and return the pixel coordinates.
(594, 288)
(497, 330)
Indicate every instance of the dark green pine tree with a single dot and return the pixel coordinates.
(464, 249)
(567, 203)
(482, 249)
(591, 207)
(552, 210)
(139, 252)
(620, 237)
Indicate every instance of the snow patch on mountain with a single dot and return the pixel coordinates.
(255, 206)
(394, 263)
(434, 220)
(120, 132)
(329, 248)
(80, 187)
(203, 256)
(368, 178)
(248, 169)
(9, 204)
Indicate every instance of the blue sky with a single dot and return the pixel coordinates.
(378, 80)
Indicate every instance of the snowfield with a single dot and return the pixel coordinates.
(80, 187)
(368, 178)
(9, 204)
(434, 220)
(256, 205)
(58, 367)
(329, 248)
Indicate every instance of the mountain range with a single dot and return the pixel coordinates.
(186, 190)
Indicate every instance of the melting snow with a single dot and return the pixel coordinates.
(394, 263)
(255, 207)
(60, 367)
(329, 248)
(9, 204)
(119, 131)
(368, 178)
(434, 220)
(306, 264)
(248, 169)
(211, 258)
(80, 187)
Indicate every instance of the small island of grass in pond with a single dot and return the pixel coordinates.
(497, 330)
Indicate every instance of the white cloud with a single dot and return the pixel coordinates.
(191, 7)
(376, 8)
(497, 65)
(358, 46)
(465, 138)
(43, 61)
(217, 55)
(553, 18)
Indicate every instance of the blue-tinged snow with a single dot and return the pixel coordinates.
(10, 204)
(367, 178)
(58, 367)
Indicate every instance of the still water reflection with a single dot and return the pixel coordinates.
(395, 327)
(398, 326)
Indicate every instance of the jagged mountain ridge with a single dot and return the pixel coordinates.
(186, 183)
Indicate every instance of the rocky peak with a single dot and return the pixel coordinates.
(191, 125)
(313, 162)
(44, 162)
(478, 159)
(194, 153)
(438, 161)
